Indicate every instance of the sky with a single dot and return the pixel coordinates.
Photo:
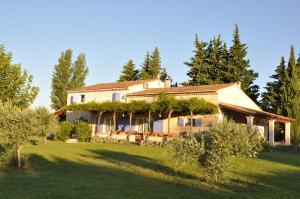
(111, 32)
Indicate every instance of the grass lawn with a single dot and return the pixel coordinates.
(87, 170)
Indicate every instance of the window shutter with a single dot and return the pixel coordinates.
(116, 97)
(198, 122)
(181, 122)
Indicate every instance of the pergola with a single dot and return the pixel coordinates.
(271, 118)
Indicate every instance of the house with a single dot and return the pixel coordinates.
(231, 100)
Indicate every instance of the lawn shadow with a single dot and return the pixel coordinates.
(61, 178)
(116, 157)
(291, 158)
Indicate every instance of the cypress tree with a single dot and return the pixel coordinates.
(15, 83)
(61, 79)
(198, 67)
(129, 73)
(79, 72)
(291, 86)
(241, 66)
(298, 66)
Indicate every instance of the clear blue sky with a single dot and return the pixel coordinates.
(111, 32)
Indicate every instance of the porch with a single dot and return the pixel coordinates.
(275, 129)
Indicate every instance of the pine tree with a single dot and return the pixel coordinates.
(145, 72)
(129, 73)
(152, 67)
(79, 72)
(241, 67)
(198, 68)
(61, 80)
(213, 59)
(273, 98)
(225, 69)
(15, 83)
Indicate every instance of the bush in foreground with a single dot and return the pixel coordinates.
(211, 150)
(83, 130)
(65, 130)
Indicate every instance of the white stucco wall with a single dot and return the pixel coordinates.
(236, 96)
(106, 95)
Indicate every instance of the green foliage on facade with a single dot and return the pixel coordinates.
(15, 83)
(163, 104)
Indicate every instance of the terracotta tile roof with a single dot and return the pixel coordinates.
(108, 86)
(253, 112)
(184, 89)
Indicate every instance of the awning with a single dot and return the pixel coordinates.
(254, 113)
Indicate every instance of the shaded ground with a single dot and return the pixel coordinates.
(87, 170)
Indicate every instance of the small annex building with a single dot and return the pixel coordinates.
(231, 100)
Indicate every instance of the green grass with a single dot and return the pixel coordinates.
(86, 170)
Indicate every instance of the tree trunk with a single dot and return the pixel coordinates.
(19, 148)
(130, 122)
(99, 120)
(191, 118)
(45, 139)
(149, 121)
(169, 121)
(115, 120)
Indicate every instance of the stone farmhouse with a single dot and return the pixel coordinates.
(232, 102)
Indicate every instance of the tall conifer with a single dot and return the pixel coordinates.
(129, 73)
(241, 66)
(61, 80)
(198, 68)
(79, 72)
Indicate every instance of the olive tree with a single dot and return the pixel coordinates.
(16, 126)
(47, 123)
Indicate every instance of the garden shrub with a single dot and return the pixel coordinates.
(212, 149)
(83, 130)
(185, 150)
(65, 130)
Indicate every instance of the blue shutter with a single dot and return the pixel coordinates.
(158, 126)
(116, 97)
(198, 122)
(180, 122)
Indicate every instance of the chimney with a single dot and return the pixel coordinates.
(167, 83)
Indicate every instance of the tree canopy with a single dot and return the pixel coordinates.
(129, 73)
(15, 83)
(67, 75)
(213, 63)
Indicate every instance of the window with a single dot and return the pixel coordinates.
(73, 99)
(145, 85)
(116, 97)
(188, 122)
(82, 98)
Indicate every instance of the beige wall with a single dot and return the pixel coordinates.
(236, 96)
(207, 121)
